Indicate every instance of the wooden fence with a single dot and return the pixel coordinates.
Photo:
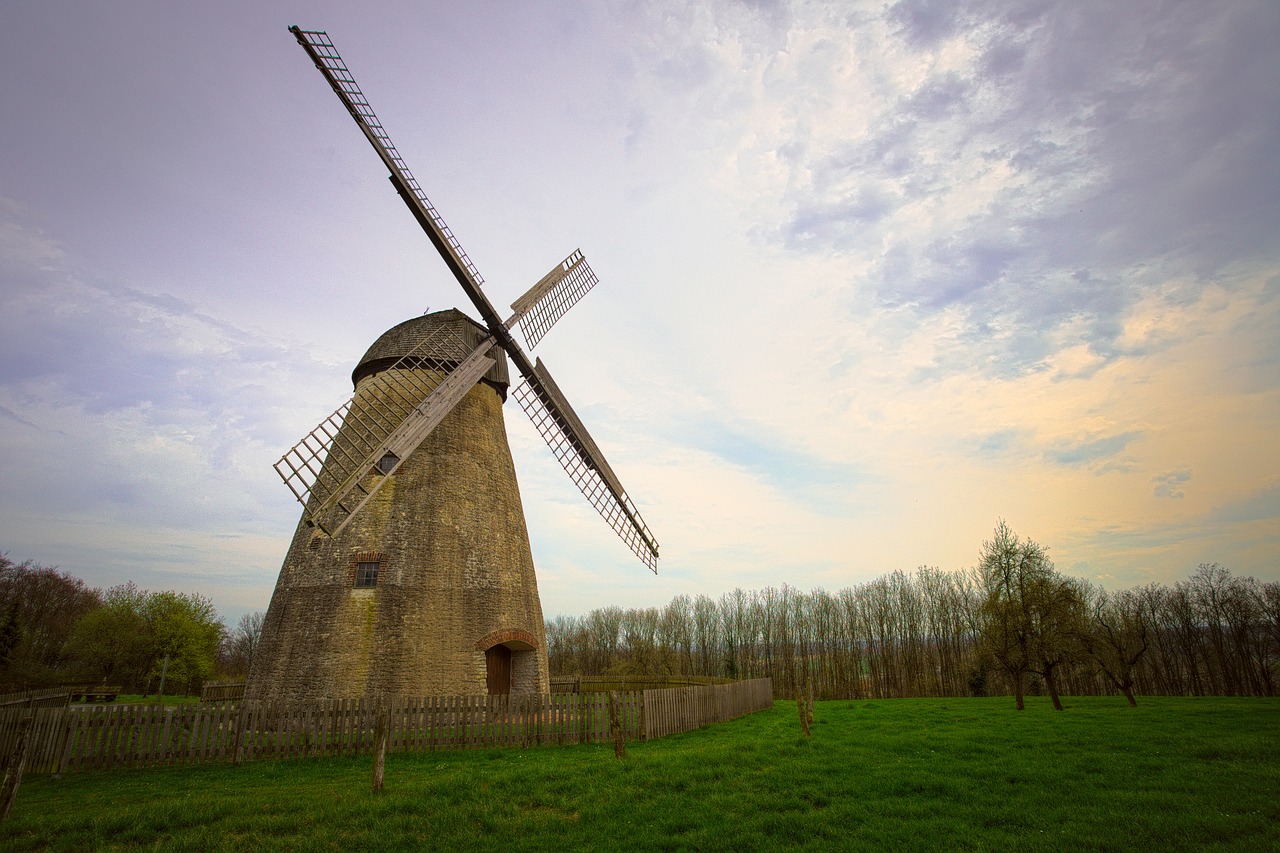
(70, 739)
(606, 683)
(222, 691)
(680, 709)
(52, 697)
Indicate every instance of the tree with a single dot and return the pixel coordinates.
(137, 636)
(1117, 637)
(40, 606)
(10, 635)
(1009, 568)
(111, 644)
(185, 632)
(1055, 606)
(240, 645)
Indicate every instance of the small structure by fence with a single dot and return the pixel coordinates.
(74, 738)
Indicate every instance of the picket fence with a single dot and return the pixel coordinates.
(83, 737)
(605, 683)
(54, 697)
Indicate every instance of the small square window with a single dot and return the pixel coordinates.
(366, 574)
(388, 461)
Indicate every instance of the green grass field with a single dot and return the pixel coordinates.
(942, 774)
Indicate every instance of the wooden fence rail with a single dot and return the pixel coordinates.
(222, 691)
(53, 697)
(606, 683)
(75, 738)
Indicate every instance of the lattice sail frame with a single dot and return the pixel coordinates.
(393, 412)
(608, 498)
(560, 427)
(551, 298)
(344, 85)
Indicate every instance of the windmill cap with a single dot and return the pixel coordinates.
(400, 340)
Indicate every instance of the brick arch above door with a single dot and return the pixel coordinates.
(513, 638)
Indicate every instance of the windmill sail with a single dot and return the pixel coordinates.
(321, 50)
(337, 467)
(546, 303)
(574, 449)
(554, 294)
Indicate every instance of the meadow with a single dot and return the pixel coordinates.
(919, 774)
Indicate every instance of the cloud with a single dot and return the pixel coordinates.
(1169, 484)
(1117, 162)
(1091, 451)
(872, 276)
(139, 416)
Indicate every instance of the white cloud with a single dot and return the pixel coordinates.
(871, 279)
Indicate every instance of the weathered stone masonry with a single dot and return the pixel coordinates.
(455, 574)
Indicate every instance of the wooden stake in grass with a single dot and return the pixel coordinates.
(16, 765)
(380, 733)
(803, 710)
(615, 725)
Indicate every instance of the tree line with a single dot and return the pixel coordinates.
(1012, 625)
(54, 630)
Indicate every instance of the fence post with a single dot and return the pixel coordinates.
(380, 732)
(615, 725)
(17, 764)
(238, 736)
(804, 711)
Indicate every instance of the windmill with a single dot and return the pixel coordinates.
(410, 571)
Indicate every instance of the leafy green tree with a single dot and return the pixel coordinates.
(1010, 570)
(111, 644)
(185, 631)
(1056, 608)
(139, 637)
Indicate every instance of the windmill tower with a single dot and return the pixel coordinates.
(410, 571)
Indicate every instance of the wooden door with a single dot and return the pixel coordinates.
(498, 662)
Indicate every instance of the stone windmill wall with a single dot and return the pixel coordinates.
(455, 607)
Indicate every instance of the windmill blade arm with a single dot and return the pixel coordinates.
(427, 415)
(415, 428)
(582, 460)
(554, 294)
(320, 48)
(328, 469)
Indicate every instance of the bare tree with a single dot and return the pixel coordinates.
(241, 644)
(1117, 637)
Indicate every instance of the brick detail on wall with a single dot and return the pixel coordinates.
(365, 557)
(507, 635)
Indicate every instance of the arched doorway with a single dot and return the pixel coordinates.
(497, 660)
(510, 662)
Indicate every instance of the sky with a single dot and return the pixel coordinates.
(873, 276)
